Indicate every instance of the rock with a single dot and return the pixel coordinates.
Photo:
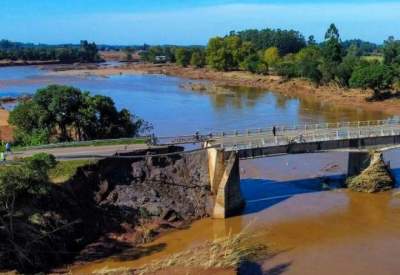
(170, 215)
(376, 178)
(153, 209)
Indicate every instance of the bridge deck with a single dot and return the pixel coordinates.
(306, 134)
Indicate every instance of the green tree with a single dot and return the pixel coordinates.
(182, 56)
(345, 69)
(311, 41)
(374, 76)
(228, 53)
(332, 53)
(271, 56)
(308, 61)
(60, 113)
(391, 51)
(254, 64)
(287, 69)
(197, 59)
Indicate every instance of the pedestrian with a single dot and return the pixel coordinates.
(8, 147)
(2, 157)
(274, 133)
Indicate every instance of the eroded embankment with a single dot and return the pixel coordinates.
(117, 204)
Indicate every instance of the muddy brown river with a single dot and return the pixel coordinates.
(310, 227)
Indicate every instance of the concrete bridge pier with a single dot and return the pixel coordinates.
(225, 182)
(358, 162)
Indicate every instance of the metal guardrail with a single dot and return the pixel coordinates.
(215, 135)
(304, 136)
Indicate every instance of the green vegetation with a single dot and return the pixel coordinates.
(61, 113)
(287, 41)
(86, 52)
(348, 64)
(21, 228)
(40, 223)
(374, 76)
(65, 170)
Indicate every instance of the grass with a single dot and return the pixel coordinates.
(227, 252)
(65, 170)
(371, 58)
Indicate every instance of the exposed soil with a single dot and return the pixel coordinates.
(331, 94)
(118, 204)
(6, 131)
(6, 63)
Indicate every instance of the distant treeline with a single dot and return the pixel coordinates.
(352, 63)
(85, 52)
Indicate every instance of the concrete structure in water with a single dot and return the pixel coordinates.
(225, 182)
(227, 149)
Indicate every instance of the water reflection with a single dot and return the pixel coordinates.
(173, 110)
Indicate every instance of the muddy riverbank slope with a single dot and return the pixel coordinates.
(331, 94)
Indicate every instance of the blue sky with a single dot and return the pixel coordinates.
(189, 21)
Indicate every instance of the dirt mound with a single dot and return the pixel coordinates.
(376, 178)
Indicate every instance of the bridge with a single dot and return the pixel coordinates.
(223, 150)
(307, 138)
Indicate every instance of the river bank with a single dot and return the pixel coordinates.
(334, 95)
(310, 229)
(10, 63)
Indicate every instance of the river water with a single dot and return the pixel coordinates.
(173, 110)
(311, 227)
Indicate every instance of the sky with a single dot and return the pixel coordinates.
(190, 22)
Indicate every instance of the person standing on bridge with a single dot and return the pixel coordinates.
(8, 147)
(274, 133)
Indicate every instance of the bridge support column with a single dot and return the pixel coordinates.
(358, 162)
(225, 183)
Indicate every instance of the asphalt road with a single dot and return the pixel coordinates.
(81, 152)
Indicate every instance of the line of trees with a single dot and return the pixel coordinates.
(352, 63)
(63, 113)
(86, 52)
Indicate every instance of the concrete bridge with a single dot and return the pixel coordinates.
(225, 150)
(308, 138)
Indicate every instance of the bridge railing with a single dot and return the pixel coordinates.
(315, 136)
(306, 127)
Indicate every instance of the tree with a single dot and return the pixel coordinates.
(228, 53)
(311, 41)
(287, 41)
(271, 56)
(391, 51)
(62, 113)
(254, 64)
(345, 69)
(218, 56)
(374, 76)
(197, 59)
(182, 57)
(332, 49)
(21, 186)
(332, 53)
(308, 61)
(287, 69)
(332, 33)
